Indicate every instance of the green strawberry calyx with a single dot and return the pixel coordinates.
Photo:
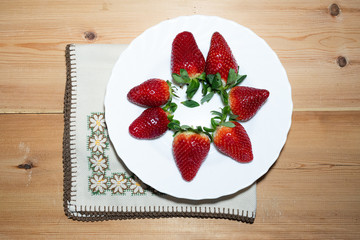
(172, 90)
(177, 128)
(214, 84)
(193, 84)
(224, 118)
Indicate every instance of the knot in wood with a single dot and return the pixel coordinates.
(25, 166)
(90, 36)
(341, 61)
(334, 10)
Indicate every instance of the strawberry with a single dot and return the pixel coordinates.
(220, 58)
(190, 150)
(246, 101)
(152, 123)
(151, 93)
(186, 55)
(234, 142)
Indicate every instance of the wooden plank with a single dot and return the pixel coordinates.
(305, 36)
(311, 192)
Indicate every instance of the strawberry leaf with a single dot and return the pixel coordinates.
(178, 79)
(170, 117)
(173, 107)
(216, 83)
(192, 88)
(214, 123)
(218, 76)
(209, 129)
(202, 76)
(190, 103)
(174, 125)
(217, 113)
(170, 107)
(227, 124)
(233, 116)
(209, 135)
(185, 127)
(173, 90)
(207, 97)
(177, 122)
(199, 129)
(231, 77)
(210, 78)
(239, 80)
(226, 110)
(205, 88)
(184, 74)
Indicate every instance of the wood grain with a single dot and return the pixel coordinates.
(312, 190)
(310, 193)
(307, 39)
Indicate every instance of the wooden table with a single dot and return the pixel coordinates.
(311, 192)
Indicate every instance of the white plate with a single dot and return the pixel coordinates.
(148, 56)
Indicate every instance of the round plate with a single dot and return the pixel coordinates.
(148, 56)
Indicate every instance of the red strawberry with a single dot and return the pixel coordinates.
(246, 101)
(151, 93)
(152, 123)
(190, 150)
(220, 58)
(234, 142)
(187, 55)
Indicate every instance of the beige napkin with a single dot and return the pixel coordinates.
(97, 185)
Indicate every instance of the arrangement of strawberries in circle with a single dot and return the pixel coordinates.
(218, 74)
